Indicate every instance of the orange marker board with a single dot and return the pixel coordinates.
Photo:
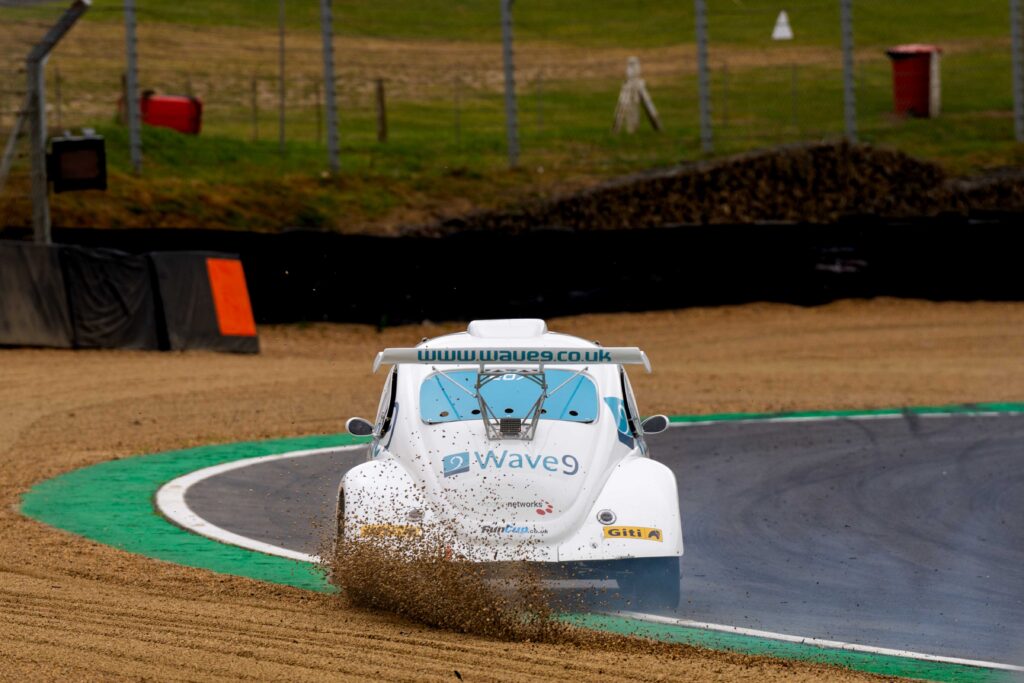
(230, 297)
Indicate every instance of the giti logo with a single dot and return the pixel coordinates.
(641, 533)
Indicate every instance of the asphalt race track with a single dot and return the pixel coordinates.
(904, 533)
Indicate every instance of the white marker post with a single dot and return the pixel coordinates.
(631, 96)
(783, 31)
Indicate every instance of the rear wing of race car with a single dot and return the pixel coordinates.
(615, 355)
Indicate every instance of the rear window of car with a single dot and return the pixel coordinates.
(450, 397)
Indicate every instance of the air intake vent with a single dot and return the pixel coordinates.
(510, 427)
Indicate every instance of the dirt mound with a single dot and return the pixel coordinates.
(806, 183)
(508, 601)
(419, 581)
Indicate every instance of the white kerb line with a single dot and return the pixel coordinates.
(170, 501)
(816, 642)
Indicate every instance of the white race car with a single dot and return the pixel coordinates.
(522, 444)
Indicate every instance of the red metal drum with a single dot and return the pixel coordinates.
(915, 79)
(183, 114)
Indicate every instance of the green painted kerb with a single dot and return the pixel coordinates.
(861, 661)
(960, 409)
(112, 503)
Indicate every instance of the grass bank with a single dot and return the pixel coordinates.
(445, 153)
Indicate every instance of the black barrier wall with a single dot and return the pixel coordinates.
(110, 296)
(70, 296)
(33, 304)
(296, 276)
(189, 312)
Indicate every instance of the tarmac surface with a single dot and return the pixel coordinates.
(902, 533)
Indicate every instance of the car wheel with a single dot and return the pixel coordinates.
(650, 583)
(339, 521)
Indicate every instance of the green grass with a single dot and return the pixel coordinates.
(633, 23)
(565, 132)
(568, 124)
(438, 151)
(753, 106)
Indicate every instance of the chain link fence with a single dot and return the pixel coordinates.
(420, 84)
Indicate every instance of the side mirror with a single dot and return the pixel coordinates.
(357, 426)
(655, 424)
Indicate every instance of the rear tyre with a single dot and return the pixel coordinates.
(339, 522)
(650, 583)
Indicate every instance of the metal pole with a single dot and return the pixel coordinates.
(703, 77)
(457, 106)
(725, 98)
(280, 77)
(1017, 45)
(319, 108)
(132, 88)
(57, 95)
(21, 117)
(327, 29)
(35, 65)
(793, 98)
(849, 91)
(539, 90)
(511, 116)
(255, 110)
(382, 113)
(37, 148)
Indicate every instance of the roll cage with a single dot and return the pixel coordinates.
(523, 363)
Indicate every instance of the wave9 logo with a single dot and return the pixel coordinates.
(457, 463)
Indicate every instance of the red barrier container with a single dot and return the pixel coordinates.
(916, 88)
(183, 114)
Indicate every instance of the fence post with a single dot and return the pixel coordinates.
(59, 98)
(382, 113)
(132, 88)
(511, 122)
(280, 78)
(849, 90)
(1018, 69)
(327, 30)
(37, 151)
(318, 106)
(538, 88)
(35, 106)
(703, 77)
(457, 107)
(725, 98)
(20, 119)
(255, 110)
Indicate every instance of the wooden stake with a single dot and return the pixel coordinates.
(122, 109)
(632, 96)
(725, 95)
(319, 112)
(60, 118)
(255, 111)
(382, 115)
(457, 103)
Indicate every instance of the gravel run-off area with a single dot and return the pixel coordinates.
(71, 608)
